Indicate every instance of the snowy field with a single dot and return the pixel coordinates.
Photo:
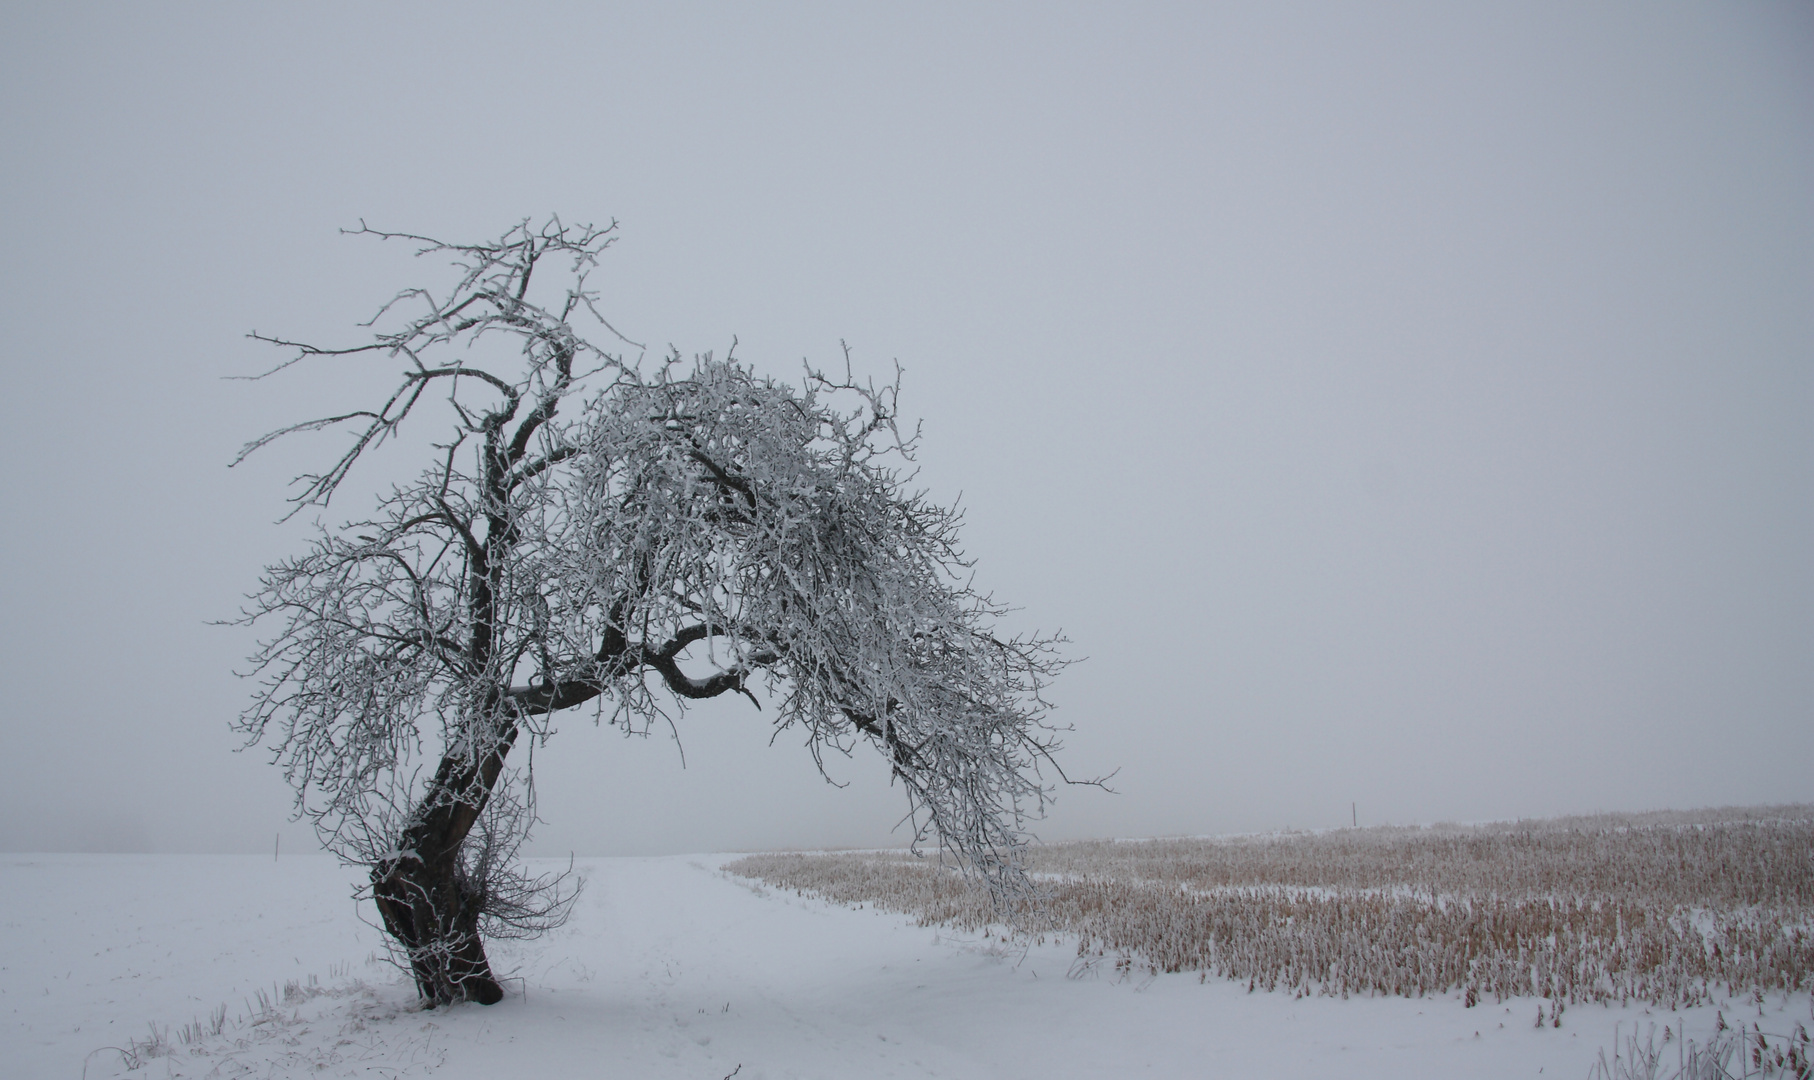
(670, 968)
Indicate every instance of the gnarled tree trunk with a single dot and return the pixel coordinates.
(423, 895)
(426, 909)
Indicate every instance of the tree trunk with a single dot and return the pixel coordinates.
(424, 907)
(425, 901)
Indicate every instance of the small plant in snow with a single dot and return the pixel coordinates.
(1731, 1054)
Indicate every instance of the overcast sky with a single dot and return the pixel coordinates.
(1398, 405)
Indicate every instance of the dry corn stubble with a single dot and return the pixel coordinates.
(1660, 908)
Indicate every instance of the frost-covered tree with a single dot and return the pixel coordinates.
(596, 531)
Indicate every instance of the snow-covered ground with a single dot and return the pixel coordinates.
(670, 968)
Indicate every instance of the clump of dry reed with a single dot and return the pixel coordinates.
(1658, 908)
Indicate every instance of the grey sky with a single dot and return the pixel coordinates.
(1402, 405)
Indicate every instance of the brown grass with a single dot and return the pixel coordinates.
(1659, 908)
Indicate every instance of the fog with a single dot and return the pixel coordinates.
(1404, 409)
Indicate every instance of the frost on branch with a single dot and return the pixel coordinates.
(595, 533)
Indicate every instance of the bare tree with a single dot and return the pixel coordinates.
(592, 532)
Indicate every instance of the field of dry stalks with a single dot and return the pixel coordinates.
(1668, 908)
